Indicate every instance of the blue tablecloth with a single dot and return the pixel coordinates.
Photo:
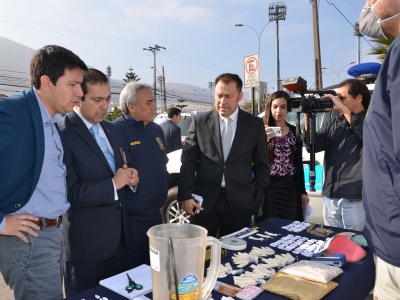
(355, 283)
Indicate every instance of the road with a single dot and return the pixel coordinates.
(5, 293)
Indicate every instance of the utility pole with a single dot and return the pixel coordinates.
(358, 35)
(317, 48)
(165, 92)
(160, 81)
(154, 51)
(211, 86)
(108, 74)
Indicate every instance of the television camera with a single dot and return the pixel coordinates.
(309, 102)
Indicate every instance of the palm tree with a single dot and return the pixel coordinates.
(380, 48)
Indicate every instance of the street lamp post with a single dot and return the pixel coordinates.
(338, 73)
(276, 12)
(353, 62)
(259, 47)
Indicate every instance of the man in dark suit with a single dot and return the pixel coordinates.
(172, 132)
(223, 149)
(95, 229)
(32, 174)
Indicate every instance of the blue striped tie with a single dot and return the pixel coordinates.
(103, 146)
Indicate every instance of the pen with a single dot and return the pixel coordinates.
(123, 156)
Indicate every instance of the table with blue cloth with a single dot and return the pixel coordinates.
(355, 283)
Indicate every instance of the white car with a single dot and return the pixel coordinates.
(171, 211)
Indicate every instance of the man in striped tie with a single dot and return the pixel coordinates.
(99, 185)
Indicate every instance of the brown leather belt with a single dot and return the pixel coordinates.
(43, 222)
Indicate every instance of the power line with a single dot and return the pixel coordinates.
(44, 26)
(352, 6)
(347, 20)
(66, 29)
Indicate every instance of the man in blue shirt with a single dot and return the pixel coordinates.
(33, 193)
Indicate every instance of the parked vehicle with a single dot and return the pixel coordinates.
(171, 211)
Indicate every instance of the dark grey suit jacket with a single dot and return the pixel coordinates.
(172, 135)
(203, 163)
(93, 225)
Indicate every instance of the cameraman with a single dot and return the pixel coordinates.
(341, 138)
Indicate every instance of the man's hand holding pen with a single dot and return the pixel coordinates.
(125, 175)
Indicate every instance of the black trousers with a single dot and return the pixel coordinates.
(79, 277)
(138, 252)
(221, 218)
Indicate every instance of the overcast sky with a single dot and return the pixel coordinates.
(200, 38)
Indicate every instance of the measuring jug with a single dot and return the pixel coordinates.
(177, 257)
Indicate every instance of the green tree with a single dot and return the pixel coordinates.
(380, 48)
(181, 105)
(114, 114)
(108, 71)
(247, 106)
(131, 76)
(171, 106)
(263, 100)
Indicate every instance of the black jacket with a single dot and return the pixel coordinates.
(203, 163)
(172, 135)
(343, 147)
(145, 147)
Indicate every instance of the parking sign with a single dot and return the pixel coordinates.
(251, 71)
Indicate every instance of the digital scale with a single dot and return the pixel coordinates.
(233, 244)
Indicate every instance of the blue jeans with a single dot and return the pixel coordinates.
(344, 213)
(33, 271)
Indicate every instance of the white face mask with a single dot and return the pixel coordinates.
(370, 24)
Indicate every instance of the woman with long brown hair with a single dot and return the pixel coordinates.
(285, 195)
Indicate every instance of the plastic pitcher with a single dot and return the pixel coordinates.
(177, 257)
